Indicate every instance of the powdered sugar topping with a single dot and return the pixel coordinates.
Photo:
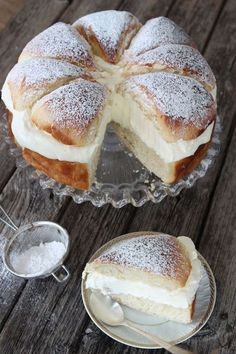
(159, 254)
(107, 26)
(60, 41)
(181, 57)
(156, 32)
(35, 72)
(178, 97)
(75, 105)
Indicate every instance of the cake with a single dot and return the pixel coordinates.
(149, 80)
(156, 274)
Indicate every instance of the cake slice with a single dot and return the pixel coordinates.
(157, 274)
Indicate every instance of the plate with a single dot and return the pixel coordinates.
(120, 178)
(168, 330)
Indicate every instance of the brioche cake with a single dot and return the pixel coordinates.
(149, 80)
(156, 274)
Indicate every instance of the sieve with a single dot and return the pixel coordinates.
(30, 235)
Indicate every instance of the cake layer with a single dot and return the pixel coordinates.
(169, 312)
(29, 136)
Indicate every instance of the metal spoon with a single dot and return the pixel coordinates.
(111, 313)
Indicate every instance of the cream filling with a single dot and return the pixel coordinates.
(29, 136)
(124, 111)
(180, 297)
(128, 113)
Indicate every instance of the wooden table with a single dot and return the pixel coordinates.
(45, 317)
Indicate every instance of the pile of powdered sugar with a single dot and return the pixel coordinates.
(38, 259)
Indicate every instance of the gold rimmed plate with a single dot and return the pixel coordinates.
(168, 330)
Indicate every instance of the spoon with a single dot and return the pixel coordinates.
(110, 312)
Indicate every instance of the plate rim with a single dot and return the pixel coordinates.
(103, 327)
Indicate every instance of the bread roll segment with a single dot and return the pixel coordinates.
(158, 32)
(71, 81)
(32, 79)
(108, 32)
(60, 41)
(66, 114)
(176, 58)
(179, 106)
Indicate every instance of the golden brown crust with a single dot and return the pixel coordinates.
(70, 173)
(30, 80)
(187, 165)
(66, 114)
(180, 106)
(59, 41)
(160, 257)
(175, 58)
(168, 172)
(108, 32)
(73, 174)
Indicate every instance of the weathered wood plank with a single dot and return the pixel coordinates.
(79, 8)
(218, 245)
(9, 9)
(207, 14)
(173, 215)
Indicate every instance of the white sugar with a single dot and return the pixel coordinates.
(60, 41)
(107, 26)
(36, 72)
(38, 259)
(158, 31)
(178, 97)
(158, 254)
(69, 103)
(181, 57)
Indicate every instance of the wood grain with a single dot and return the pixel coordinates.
(53, 317)
(9, 8)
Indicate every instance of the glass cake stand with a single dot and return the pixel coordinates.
(120, 177)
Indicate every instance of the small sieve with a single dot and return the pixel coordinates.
(34, 234)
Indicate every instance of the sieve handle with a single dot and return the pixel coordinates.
(63, 275)
(9, 221)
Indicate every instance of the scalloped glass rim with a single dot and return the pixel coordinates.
(142, 187)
